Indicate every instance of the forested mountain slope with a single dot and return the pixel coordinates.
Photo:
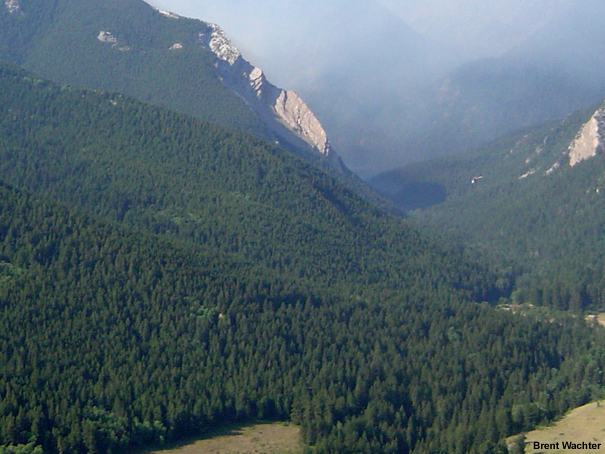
(161, 277)
(536, 202)
(112, 339)
(185, 64)
(224, 191)
(63, 41)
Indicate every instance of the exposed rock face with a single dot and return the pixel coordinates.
(167, 14)
(12, 5)
(108, 38)
(284, 111)
(297, 117)
(218, 42)
(589, 139)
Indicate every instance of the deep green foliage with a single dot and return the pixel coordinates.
(113, 339)
(160, 277)
(542, 222)
(29, 448)
(171, 174)
(58, 39)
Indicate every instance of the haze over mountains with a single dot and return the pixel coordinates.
(398, 83)
(173, 262)
(307, 34)
(532, 202)
(184, 64)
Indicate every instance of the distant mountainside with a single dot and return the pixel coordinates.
(533, 201)
(184, 64)
(478, 28)
(395, 97)
(382, 109)
(162, 277)
(556, 70)
(364, 86)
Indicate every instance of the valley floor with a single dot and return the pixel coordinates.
(276, 438)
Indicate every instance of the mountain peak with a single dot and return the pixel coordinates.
(220, 44)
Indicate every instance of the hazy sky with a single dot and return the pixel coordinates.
(266, 30)
(479, 27)
(366, 62)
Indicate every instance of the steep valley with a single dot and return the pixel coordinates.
(139, 308)
(531, 202)
(164, 276)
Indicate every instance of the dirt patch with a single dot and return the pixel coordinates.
(275, 438)
(584, 424)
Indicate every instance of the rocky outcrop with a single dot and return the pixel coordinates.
(168, 14)
(283, 111)
(297, 117)
(108, 38)
(589, 139)
(13, 6)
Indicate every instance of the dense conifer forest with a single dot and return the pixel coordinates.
(171, 174)
(161, 277)
(58, 39)
(537, 218)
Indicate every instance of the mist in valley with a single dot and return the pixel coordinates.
(396, 82)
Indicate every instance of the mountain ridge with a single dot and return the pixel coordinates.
(277, 107)
(172, 66)
(531, 202)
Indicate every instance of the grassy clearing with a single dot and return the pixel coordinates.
(584, 424)
(276, 438)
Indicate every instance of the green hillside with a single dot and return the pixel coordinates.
(224, 191)
(161, 277)
(113, 339)
(131, 48)
(59, 40)
(543, 221)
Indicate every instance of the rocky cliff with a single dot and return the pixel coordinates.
(283, 111)
(12, 6)
(589, 139)
(587, 143)
(162, 58)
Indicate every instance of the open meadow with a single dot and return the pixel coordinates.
(584, 424)
(276, 438)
